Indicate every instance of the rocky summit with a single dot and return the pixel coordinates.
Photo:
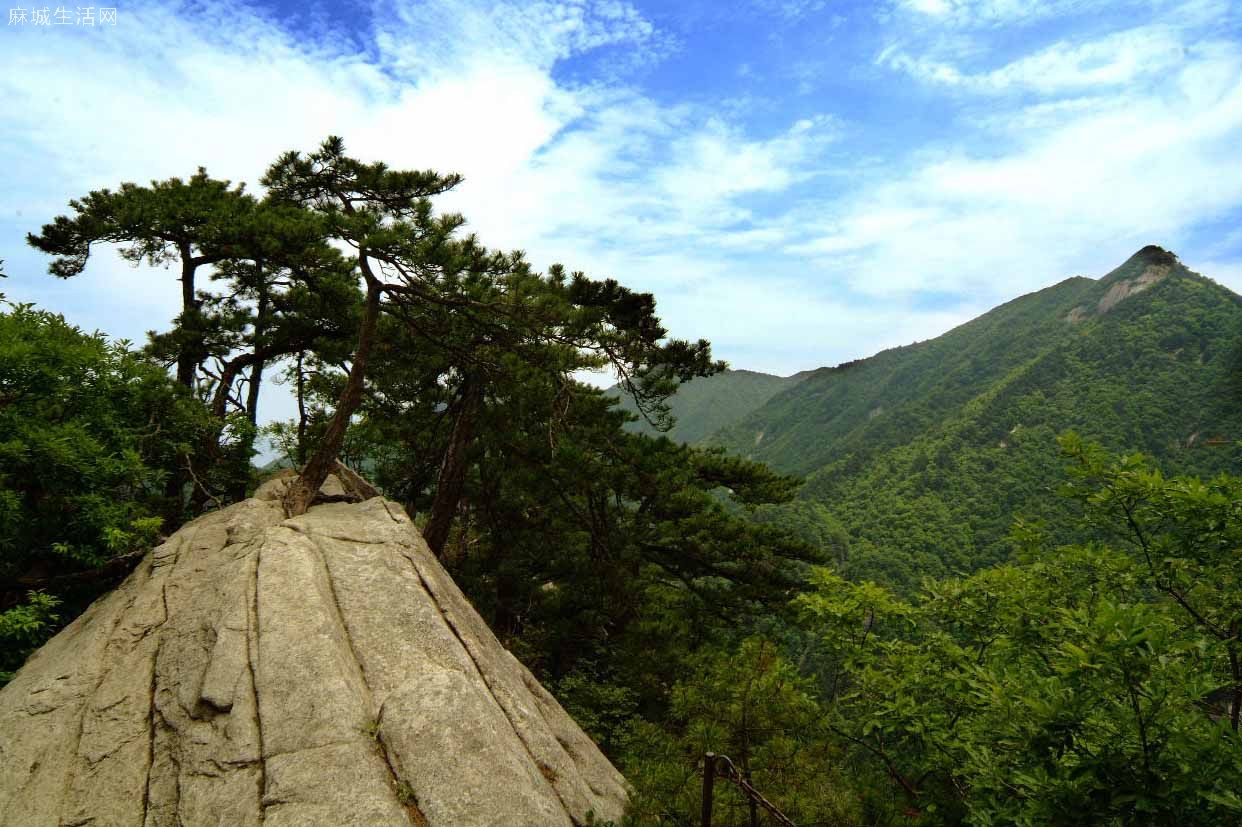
(321, 670)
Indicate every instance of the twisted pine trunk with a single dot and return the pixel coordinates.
(304, 487)
(453, 468)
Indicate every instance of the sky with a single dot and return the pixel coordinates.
(802, 182)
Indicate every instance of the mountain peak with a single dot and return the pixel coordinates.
(1139, 272)
(1141, 262)
(1152, 254)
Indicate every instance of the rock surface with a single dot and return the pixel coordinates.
(321, 670)
(1121, 290)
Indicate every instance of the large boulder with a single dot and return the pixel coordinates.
(321, 670)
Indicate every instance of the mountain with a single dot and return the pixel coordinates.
(703, 406)
(919, 457)
(323, 669)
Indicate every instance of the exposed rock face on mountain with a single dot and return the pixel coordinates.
(321, 670)
(1122, 290)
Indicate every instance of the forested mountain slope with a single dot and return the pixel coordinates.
(708, 404)
(923, 454)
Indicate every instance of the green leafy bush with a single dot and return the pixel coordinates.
(90, 433)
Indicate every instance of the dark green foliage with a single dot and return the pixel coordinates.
(481, 313)
(91, 432)
(1080, 686)
(1087, 684)
(194, 223)
(287, 291)
(749, 703)
(1047, 693)
(157, 222)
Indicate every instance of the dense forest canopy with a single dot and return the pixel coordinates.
(924, 630)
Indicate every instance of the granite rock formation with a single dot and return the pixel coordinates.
(321, 670)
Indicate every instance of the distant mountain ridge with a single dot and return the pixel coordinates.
(922, 454)
(875, 401)
(703, 406)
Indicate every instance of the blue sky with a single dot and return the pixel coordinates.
(802, 182)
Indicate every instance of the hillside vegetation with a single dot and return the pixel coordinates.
(924, 454)
(709, 404)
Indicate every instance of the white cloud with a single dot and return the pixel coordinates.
(1099, 178)
(791, 10)
(1114, 60)
(435, 38)
(971, 13)
(598, 176)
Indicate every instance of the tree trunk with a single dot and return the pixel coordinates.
(187, 367)
(304, 487)
(232, 369)
(260, 361)
(453, 468)
(252, 395)
(210, 450)
(300, 454)
(187, 360)
(709, 783)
